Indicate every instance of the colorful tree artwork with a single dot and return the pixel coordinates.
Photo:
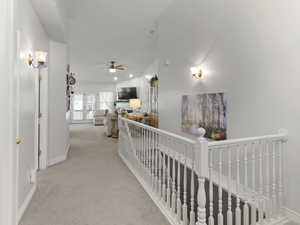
(207, 111)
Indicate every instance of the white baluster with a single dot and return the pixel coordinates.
(178, 189)
(137, 147)
(152, 160)
(238, 219)
(169, 179)
(139, 150)
(229, 211)
(280, 182)
(155, 163)
(253, 205)
(173, 200)
(184, 206)
(149, 152)
(192, 212)
(267, 186)
(211, 190)
(274, 179)
(160, 170)
(159, 173)
(201, 161)
(147, 149)
(246, 207)
(142, 150)
(163, 196)
(260, 199)
(220, 191)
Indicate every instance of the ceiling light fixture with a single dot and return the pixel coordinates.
(130, 75)
(115, 78)
(112, 70)
(196, 72)
(41, 58)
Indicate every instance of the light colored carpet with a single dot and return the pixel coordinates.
(93, 187)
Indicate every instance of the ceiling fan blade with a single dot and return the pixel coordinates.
(102, 66)
(120, 68)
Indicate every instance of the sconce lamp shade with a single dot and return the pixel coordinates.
(41, 56)
(135, 103)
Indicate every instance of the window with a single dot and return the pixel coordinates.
(106, 100)
(77, 113)
(90, 106)
(85, 105)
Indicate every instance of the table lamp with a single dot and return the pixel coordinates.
(135, 104)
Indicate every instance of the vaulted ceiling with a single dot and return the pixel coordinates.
(98, 31)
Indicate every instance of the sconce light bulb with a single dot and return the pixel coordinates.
(196, 72)
(41, 57)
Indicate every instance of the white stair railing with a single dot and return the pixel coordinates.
(190, 180)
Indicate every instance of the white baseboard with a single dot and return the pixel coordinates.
(25, 204)
(292, 215)
(68, 149)
(61, 158)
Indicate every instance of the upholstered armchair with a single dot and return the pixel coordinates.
(99, 117)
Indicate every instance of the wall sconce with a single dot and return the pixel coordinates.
(196, 72)
(148, 76)
(41, 58)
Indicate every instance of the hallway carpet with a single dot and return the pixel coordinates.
(93, 187)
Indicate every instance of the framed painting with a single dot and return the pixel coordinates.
(207, 111)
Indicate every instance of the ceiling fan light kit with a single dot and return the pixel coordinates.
(113, 68)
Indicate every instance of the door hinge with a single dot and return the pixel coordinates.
(40, 152)
(40, 77)
(40, 115)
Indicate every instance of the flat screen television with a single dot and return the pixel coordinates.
(127, 93)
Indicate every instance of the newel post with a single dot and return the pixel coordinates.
(201, 169)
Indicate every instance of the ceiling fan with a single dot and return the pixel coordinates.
(114, 68)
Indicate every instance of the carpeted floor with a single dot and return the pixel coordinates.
(93, 187)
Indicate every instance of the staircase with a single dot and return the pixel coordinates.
(232, 182)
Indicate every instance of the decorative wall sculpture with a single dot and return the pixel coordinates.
(70, 82)
(207, 111)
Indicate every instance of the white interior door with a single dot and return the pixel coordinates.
(43, 118)
(26, 116)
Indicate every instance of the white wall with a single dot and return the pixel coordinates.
(7, 115)
(93, 87)
(142, 85)
(58, 123)
(31, 37)
(250, 49)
